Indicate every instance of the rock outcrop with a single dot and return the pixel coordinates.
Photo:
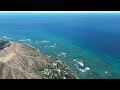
(4, 44)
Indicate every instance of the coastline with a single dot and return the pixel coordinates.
(54, 60)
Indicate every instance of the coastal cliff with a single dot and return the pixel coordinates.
(22, 61)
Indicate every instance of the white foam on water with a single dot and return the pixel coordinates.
(53, 45)
(83, 70)
(44, 41)
(106, 72)
(87, 68)
(81, 63)
(5, 37)
(74, 60)
(24, 40)
(64, 54)
(28, 39)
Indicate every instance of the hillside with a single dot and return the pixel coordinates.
(22, 61)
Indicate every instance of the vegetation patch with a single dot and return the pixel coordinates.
(56, 70)
(31, 50)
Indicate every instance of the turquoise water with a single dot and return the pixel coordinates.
(89, 44)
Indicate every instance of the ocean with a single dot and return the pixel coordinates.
(89, 43)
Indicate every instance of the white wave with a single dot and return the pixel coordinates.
(84, 70)
(28, 39)
(106, 72)
(81, 63)
(74, 60)
(53, 45)
(50, 46)
(24, 40)
(87, 68)
(44, 41)
(5, 37)
(64, 54)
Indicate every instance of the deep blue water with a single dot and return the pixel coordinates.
(93, 39)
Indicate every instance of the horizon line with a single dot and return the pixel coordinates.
(60, 12)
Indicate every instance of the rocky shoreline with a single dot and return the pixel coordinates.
(4, 43)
